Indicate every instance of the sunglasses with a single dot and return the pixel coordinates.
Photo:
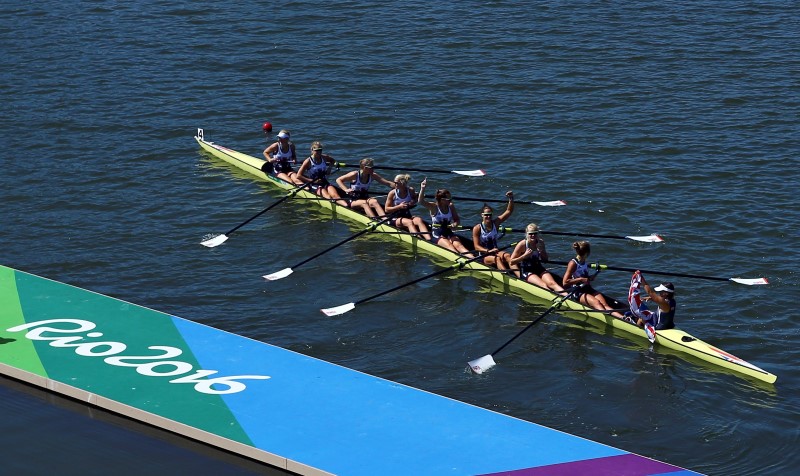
(534, 234)
(486, 214)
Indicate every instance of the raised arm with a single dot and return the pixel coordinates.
(421, 198)
(655, 297)
(509, 208)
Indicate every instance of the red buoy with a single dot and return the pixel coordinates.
(267, 127)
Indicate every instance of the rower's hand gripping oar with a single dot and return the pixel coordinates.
(220, 239)
(486, 362)
(643, 238)
(747, 281)
(287, 271)
(468, 173)
(335, 311)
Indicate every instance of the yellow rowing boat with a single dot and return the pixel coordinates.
(674, 339)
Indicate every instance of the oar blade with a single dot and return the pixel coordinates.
(481, 364)
(646, 238)
(554, 203)
(279, 274)
(470, 173)
(750, 281)
(335, 311)
(216, 241)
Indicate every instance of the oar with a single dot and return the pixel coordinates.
(643, 238)
(335, 311)
(469, 173)
(486, 362)
(747, 281)
(287, 271)
(553, 203)
(220, 239)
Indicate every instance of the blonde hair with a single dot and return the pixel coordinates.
(532, 228)
(582, 248)
(402, 178)
(316, 145)
(443, 193)
(366, 162)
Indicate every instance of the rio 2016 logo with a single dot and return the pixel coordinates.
(150, 366)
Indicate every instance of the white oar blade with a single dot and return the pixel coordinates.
(470, 173)
(750, 281)
(481, 364)
(646, 238)
(216, 241)
(279, 275)
(554, 203)
(335, 311)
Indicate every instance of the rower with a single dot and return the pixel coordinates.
(358, 191)
(664, 296)
(444, 218)
(577, 274)
(316, 169)
(399, 202)
(486, 233)
(280, 157)
(529, 255)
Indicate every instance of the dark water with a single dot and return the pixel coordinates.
(674, 118)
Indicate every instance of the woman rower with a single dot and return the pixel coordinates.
(486, 233)
(401, 200)
(444, 218)
(281, 155)
(316, 169)
(357, 192)
(664, 296)
(529, 255)
(577, 273)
